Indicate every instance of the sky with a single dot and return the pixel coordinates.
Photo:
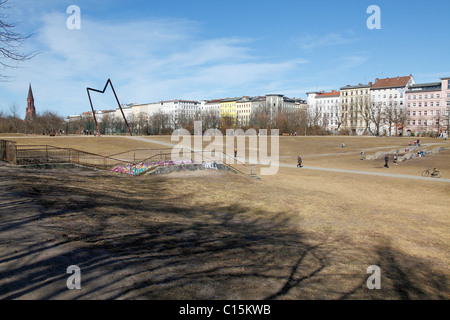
(201, 50)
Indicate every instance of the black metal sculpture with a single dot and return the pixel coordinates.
(115, 95)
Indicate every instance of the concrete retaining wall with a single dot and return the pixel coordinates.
(191, 167)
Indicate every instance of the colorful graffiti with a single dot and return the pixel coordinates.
(135, 169)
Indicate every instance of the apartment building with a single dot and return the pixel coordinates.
(354, 108)
(228, 108)
(388, 95)
(211, 106)
(180, 110)
(427, 107)
(326, 107)
(244, 110)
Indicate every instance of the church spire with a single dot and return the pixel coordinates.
(30, 93)
(30, 113)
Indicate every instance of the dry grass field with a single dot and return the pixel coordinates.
(300, 234)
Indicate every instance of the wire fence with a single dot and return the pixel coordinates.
(42, 154)
(38, 154)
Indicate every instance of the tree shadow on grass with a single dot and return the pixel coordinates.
(150, 245)
(403, 277)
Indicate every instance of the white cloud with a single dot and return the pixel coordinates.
(146, 60)
(310, 41)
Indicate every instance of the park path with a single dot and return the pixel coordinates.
(368, 173)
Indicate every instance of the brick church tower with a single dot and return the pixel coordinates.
(31, 110)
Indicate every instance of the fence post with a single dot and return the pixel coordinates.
(15, 151)
(2, 150)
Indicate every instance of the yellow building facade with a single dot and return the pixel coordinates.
(228, 108)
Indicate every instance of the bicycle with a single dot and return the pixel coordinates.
(434, 174)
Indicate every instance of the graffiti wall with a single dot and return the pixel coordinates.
(135, 169)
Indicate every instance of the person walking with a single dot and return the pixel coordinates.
(299, 161)
(395, 158)
(386, 161)
(235, 152)
(362, 155)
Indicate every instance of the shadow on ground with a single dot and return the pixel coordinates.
(133, 239)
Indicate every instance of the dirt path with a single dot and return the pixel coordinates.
(359, 172)
(380, 174)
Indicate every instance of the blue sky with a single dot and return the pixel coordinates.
(163, 50)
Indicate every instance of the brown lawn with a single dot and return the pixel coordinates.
(300, 234)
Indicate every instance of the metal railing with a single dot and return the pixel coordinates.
(41, 154)
(49, 154)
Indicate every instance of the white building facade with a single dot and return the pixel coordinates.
(390, 94)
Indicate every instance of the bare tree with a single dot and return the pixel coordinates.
(375, 115)
(390, 112)
(401, 118)
(3, 122)
(260, 117)
(14, 116)
(105, 124)
(210, 120)
(314, 116)
(159, 123)
(11, 41)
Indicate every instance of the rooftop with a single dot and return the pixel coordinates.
(423, 85)
(324, 94)
(357, 86)
(178, 100)
(391, 82)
